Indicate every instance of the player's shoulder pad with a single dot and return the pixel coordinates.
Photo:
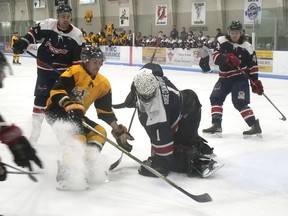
(48, 24)
(246, 45)
(77, 35)
(222, 39)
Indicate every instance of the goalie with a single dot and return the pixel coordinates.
(171, 119)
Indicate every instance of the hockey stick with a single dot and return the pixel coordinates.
(199, 198)
(33, 178)
(32, 173)
(47, 65)
(253, 83)
(116, 163)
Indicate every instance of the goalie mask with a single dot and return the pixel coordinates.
(146, 85)
(88, 52)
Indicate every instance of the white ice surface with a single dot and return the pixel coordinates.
(254, 180)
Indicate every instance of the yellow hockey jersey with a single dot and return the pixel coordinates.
(109, 29)
(13, 39)
(78, 85)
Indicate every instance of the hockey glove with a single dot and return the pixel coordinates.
(257, 87)
(20, 147)
(232, 60)
(19, 46)
(75, 112)
(122, 135)
(3, 172)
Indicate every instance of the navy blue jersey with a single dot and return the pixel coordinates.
(244, 52)
(161, 117)
(60, 49)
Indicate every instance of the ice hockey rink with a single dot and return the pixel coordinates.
(254, 180)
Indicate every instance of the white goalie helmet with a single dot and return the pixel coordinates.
(146, 85)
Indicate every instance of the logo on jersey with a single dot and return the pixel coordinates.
(55, 50)
(241, 95)
(91, 84)
(60, 37)
(78, 94)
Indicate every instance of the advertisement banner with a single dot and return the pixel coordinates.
(252, 11)
(198, 16)
(161, 15)
(112, 53)
(181, 57)
(124, 16)
(265, 60)
(159, 58)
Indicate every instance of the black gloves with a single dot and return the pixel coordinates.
(19, 46)
(20, 147)
(3, 172)
(122, 135)
(24, 153)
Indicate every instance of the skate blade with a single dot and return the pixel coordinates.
(215, 168)
(258, 136)
(61, 187)
(215, 135)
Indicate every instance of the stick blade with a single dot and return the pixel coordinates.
(201, 198)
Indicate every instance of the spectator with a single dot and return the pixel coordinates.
(183, 34)
(174, 32)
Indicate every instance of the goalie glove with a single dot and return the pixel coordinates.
(122, 135)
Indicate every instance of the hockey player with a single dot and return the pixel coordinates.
(234, 55)
(77, 88)
(12, 136)
(171, 119)
(204, 54)
(3, 63)
(16, 54)
(60, 48)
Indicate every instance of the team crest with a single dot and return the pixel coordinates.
(241, 95)
(78, 94)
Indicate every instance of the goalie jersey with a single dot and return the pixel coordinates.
(78, 85)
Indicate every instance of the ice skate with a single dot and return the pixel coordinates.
(68, 180)
(254, 130)
(210, 168)
(215, 130)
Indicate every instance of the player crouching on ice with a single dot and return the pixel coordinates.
(77, 88)
(171, 119)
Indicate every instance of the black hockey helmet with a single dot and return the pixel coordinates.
(235, 25)
(88, 52)
(156, 69)
(64, 8)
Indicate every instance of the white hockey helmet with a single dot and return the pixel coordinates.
(146, 85)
